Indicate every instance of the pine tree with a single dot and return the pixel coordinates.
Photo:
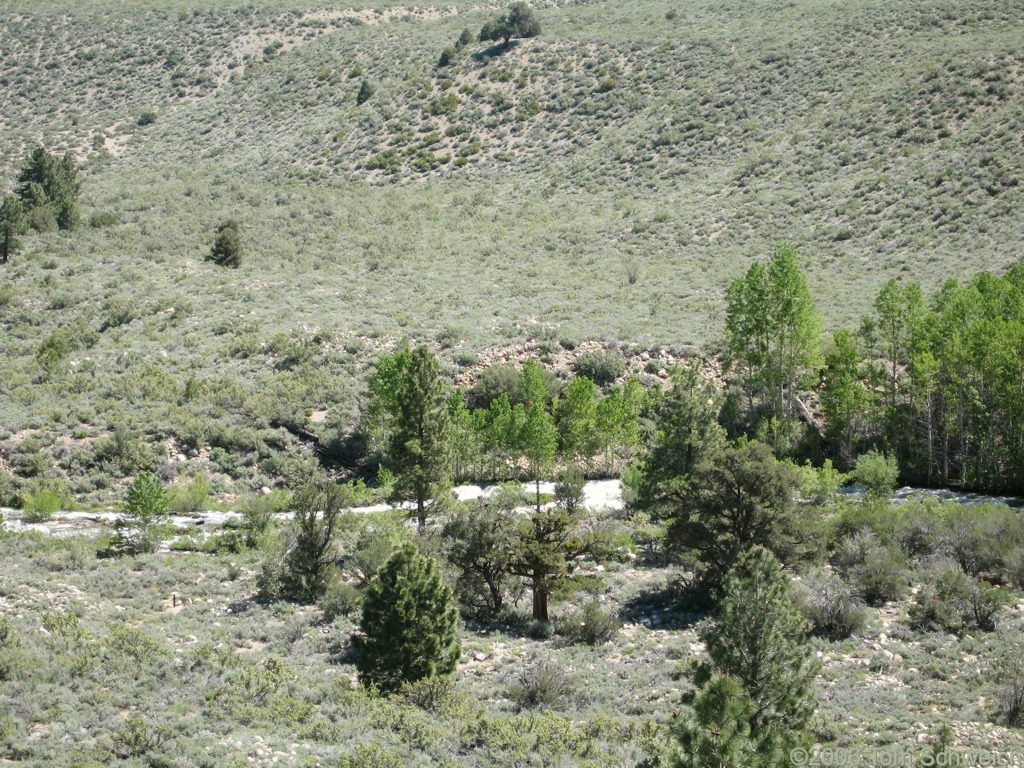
(742, 498)
(48, 187)
(227, 247)
(420, 443)
(409, 624)
(759, 637)
(718, 734)
(688, 433)
(12, 224)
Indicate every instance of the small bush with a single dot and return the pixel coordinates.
(147, 117)
(831, 607)
(881, 577)
(545, 684)
(43, 498)
(600, 366)
(191, 499)
(341, 599)
(878, 472)
(591, 626)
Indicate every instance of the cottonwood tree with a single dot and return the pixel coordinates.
(845, 400)
(518, 21)
(759, 638)
(772, 332)
(420, 447)
(12, 224)
(144, 514)
(409, 624)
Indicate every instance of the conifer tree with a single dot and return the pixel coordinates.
(12, 224)
(759, 637)
(409, 624)
(420, 443)
(318, 507)
(48, 187)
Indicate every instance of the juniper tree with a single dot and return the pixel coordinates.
(318, 506)
(517, 21)
(409, 624)
(227, 247)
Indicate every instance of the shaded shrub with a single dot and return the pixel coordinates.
(951, 601)
(881, 577)
(591, 626)
(341, 599)
(600, 366)
(831, 606)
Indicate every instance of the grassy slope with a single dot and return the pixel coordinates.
(621, 169)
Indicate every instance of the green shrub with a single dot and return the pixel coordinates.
(43, 497)
(881, 577)
(191, 498)
(258, 514)
(591, 626)
(341, 599)
(371, 756)
(950, 601)
(878, 472)
(600, 366)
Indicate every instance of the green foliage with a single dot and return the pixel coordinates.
(845, 400)
(258, 515)
(420, 444)
(341, 599)
(44, 496)
(687, 435)
(589, 626)
(48, 187)
(409, 624)
(600, 366)
(878, 472)
(741, 498)
(718, 733)
(1008, 676)
(190, 498)
(830, 606)
(772, 333)
(227, 248)
(482, 537)
(545, 683)
(759, 637)
(518, 21)
(144, 517)
(952, 601)
(365, 93)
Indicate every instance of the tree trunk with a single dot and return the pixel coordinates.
(540, 605)
(538, 499)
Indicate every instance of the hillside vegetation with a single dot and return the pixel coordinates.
(605, 180)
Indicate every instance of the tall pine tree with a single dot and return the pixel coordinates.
(420, 440)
